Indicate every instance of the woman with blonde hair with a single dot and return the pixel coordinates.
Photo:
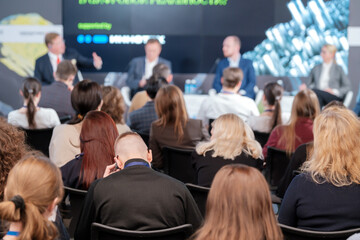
(324, 197)
(173, 128)
(239, 207)
(232, 141)
(288, 137)
(114, 105)
(34, 188)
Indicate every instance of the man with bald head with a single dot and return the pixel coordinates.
(135, 197)
(231, 50)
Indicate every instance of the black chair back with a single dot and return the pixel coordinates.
(292, 233)
(39, 139)
(276, 163)
(145, 138)
(261, 137)
(199, 194)
(103, 232)
(177, 164)
(76, 197)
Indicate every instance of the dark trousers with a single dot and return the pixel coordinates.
(325, 97)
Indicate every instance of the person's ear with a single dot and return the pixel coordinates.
(21, 93)
(53, 205)
(100, 105)
(119, 162)
(149, 156)
(222, 80)
(169, 78)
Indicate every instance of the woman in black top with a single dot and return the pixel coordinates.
(232, 141)
(325, 197)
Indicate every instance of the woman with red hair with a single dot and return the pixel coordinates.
(97, 137)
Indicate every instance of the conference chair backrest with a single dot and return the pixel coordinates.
(292, 233)
(177, 164)
(39, 139)
(103, 232)
(76, 197)
(261, 137)
(276, 163)
(199, 194)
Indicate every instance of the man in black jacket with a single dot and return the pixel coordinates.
(136, 197)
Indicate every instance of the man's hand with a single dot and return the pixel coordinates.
(329, 90)
(142, 82)
(110, 169)
(97, 61)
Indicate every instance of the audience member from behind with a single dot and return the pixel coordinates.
(271, 117)
(299, 130)
(173, 128)
(97, 138)
(330, 183)
(114, 105)
(140, 120)
(141, 68)
(161, 70)
(164, 203)
(31, 116)
(65, 141)
(58, 95)
(33, 189)
(12, 148)
(228, 100)
(239, 207)
(232, 141)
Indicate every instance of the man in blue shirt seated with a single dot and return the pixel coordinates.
(136, 197)
(231, 51)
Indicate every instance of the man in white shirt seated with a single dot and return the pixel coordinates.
(141, 68)
(228, 100)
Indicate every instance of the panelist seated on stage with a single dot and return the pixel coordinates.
(328, 79)
(141, 68)
(46, 65)
(231, 50)
(228, 100)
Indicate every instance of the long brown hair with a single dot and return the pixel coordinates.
(97, 137)
(273, 93)
(113, 103)
(170, 107)
(305, 105)
(239, 207)
(31, 87)
(38, 183)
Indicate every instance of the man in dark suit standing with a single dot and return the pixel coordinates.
(140, 68)
(136, 197)
(46, 65)
(231, 49)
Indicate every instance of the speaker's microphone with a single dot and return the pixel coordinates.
(213, 67)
